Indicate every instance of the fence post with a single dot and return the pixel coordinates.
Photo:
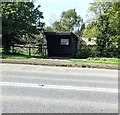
(29, 50)
(41, 48)
(12, 49)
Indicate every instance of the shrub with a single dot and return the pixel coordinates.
(84, 51)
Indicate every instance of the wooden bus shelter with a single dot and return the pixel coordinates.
(61, 44)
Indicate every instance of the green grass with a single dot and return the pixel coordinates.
(88, 60)
(24, 55)
(97, 60)
(20, 56)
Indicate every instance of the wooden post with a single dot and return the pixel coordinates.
(41, 48)
(12, 49)
(29, 50)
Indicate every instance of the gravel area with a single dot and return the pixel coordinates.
(58, 62)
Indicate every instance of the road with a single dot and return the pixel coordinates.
(45, 89)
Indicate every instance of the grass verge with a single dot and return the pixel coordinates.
(19, 56)
(102, 60)
(98, 60)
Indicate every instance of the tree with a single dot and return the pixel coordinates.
(20, 23)
(90, 30)
(109, 32)
(49, 29)
(106, 18)
(57, 26)
(103, 35)
(69, 21)
(81, 30)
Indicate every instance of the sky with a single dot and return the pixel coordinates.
(52, 9)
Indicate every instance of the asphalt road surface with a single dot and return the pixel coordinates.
(43, 89)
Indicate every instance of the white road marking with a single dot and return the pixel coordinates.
(62, 87)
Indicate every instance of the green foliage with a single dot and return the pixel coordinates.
(80, 32)
(49, 29)
(84, 51)
(20, 23)
(106, 27)
(90, 30)
(69, 21)
(57, 26)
